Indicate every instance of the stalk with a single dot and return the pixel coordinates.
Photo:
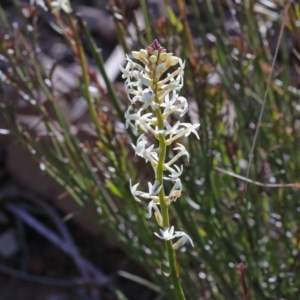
(144, 84)
(174, 274)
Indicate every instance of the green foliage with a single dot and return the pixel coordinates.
(225, 80)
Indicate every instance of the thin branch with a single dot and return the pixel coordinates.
(267, 88)
(247, 180)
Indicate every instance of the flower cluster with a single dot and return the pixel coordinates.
(153, 94)
(56, 5)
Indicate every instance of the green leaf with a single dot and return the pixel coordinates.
(120, 295)
(174, 20)
(113, 188)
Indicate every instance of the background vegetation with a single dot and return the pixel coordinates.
(246, 232)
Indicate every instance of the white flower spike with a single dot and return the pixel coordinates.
(56, 5)
(168, 234)
(41, 3)
(152, 100)
(61, 5)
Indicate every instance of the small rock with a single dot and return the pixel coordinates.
(8, 243)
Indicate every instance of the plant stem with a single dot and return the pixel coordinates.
(147, 22)
(174, 272)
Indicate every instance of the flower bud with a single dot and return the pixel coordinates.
(153, 58)
(164, 56)
(159, 219)
(144, 53)
(136, 54)
(160, 68)
(174, 60)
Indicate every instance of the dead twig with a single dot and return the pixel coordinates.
(247, 180)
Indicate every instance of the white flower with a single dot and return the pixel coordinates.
(168, 234)
(41, 3)
(153, 205)
(147, 97)
(149, 100)
(170, 107)
(182, 152)
(55, 5)
(61, 4)
(177, 186)
(140, 148)
(131, 64)
(174, 173)
(171, 130)
(134, 192)
(182, 241)
(173, 85)
(140, 120)
(127, 71)
(175, 191)
(127, 114)
(190, 128)
(153, 190)
(147, 153)
(182, 107)
(171, 76)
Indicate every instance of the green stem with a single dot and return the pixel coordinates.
(85, 75)
(174, 272)
(96, 53)
(147, 22)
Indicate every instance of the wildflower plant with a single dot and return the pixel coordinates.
(55, 5)
(255, 228)
(148, 82)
